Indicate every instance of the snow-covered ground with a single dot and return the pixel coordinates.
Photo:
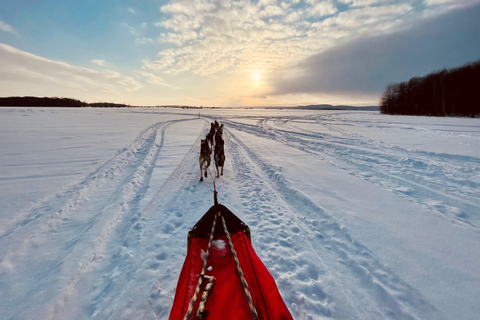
(357, 215)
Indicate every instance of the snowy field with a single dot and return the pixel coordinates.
(357, 215)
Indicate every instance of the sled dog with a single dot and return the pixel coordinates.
(218, 137)
(219, 155)
(204, 158)
(210, 137)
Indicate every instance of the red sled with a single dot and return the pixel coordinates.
(222, 276)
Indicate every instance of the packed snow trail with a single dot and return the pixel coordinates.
(366, 288)
(342, 154)
(410, 173)
(72, 234)
(352, 224)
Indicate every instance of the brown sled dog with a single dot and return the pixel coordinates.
(211, 134)
(219, 155)
(204, 158)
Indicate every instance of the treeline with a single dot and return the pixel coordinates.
(55, 102)
(40, 102)
(107, 105)
(453, 92)
(68, 102)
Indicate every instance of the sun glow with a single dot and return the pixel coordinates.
(257, 76)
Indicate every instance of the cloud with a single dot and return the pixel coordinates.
(99, 62)
(144, 41)
(272, 11)
(239, 37)
(371, 20)
(211, 38)
(233, 40)
(7, 28)
(442, 2)
(365, 3)
(188, 7)
(20, 71)
(322, 9)
(138, 33)
(367, 65)
(132, 30)
(154, 79)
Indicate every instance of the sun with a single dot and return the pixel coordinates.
(257, 76)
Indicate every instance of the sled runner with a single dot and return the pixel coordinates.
(222, 276)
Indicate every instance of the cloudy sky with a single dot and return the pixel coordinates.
(229, 52)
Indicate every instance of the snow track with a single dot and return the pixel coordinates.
(333, 259)
(351, 224)
(79, 228)
(408, 173)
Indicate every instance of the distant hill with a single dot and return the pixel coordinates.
(341, 107)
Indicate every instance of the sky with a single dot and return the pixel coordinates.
(229, 53)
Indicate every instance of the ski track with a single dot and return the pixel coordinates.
(335, 277)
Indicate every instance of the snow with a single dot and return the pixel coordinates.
(357, 215)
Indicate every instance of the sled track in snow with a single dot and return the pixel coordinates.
(327, 271)
(147, 258)
(80, 189)
(82, 220)
(117, 203)
(446, 165)
(146, 255)
(143, 254)
(403, 172)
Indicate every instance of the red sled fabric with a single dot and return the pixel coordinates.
(227, 298)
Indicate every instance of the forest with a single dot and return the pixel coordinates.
(54, 102)
(29, 101)
(40, 102)
(452, 92)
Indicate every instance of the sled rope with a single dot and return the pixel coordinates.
(212, 176)
(248, 295)
(202, 274)
(201, 312)
(215, 200)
